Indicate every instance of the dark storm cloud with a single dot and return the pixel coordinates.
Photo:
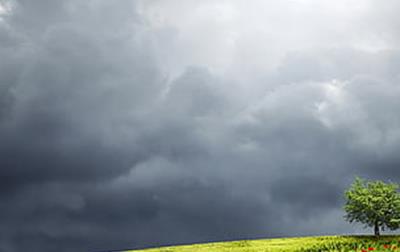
(101, 148)
(59, 96)
(301, 192)
(52, 96)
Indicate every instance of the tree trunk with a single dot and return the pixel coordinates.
(376, 229)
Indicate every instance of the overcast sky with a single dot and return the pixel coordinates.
(131, 124)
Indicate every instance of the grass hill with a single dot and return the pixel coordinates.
(359, 243)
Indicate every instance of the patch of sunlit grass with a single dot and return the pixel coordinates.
(340, 243)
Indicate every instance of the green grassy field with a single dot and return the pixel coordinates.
(311, 244)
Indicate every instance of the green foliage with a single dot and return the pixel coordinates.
(373, 203)
(361, 245)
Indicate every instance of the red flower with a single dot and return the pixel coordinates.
(386, 246)
(370, 248)
(363, 250)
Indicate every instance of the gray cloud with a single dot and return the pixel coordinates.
(147, 123)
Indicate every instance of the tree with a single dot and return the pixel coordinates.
(375, 204)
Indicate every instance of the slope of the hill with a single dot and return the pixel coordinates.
(357, 243)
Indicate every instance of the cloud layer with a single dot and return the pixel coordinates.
(143, 123)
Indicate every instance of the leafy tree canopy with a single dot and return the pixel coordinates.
(376, 204)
